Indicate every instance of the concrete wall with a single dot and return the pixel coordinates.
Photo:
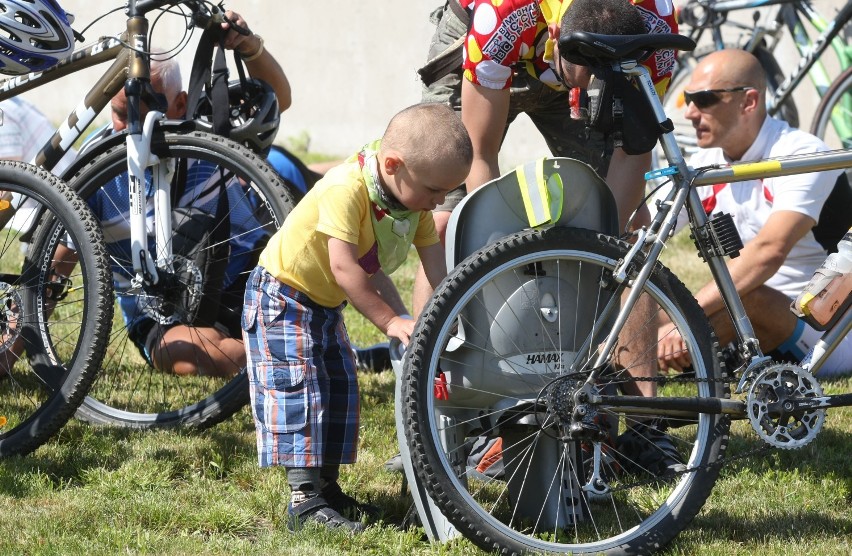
(351, 64)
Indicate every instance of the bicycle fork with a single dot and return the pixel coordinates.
(139, 158)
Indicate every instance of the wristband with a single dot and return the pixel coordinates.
(257, 54)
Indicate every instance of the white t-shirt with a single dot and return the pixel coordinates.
(751, 202)
(24, 132)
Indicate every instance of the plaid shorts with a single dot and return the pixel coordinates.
(302, 380)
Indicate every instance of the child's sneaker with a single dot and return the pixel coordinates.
(347, 506)
(318, 510)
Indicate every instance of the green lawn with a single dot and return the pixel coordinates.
(114, 491)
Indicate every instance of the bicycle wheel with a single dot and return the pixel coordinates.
(833, 120)
(54, 307)
(493, 355)
(674, 106)
(202, 380)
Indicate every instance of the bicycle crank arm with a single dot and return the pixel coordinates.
(821, 402)
(674, 407)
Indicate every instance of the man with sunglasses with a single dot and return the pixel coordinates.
(780, 220)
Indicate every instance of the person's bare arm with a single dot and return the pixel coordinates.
(356, 284)
(383, 284)
(759, 260)
(484, 114)
(434, 267)
(264, 66)
(626, 179)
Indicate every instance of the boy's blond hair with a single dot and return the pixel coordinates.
(428, 134)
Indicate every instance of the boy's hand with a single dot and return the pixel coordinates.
(401, 328)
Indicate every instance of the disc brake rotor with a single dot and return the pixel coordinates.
(178, 304)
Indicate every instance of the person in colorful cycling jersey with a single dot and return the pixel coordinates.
(508, 67)
(777, 218)
(510, 64)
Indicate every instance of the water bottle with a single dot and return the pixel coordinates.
(827, 295)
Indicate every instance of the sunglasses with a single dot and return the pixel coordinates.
(709, 97)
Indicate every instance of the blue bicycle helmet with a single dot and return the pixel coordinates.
(34, 35)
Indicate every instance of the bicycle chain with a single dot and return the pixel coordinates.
(719, 463)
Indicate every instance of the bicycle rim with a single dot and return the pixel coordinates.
(492, 357)
(54, 307)
(206, 302)
(833, 120)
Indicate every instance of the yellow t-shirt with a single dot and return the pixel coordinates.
(337, 206)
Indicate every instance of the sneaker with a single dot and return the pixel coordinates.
(374, 358)
(318, 510)
(394, 464)
(646, 447)
(347, 506)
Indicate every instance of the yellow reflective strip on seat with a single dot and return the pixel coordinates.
(534, 192)
(555, 192)
(803, 303)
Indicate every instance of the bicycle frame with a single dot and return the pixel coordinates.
(790, 15)
(652, 242)
(130, 70)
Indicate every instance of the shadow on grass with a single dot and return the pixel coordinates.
(827, 455)
(65, 460)
(787, 525)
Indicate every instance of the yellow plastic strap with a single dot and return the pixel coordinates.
(804, 302)
(542, 196)
(553, 10)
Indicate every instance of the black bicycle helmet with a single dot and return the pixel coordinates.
(34, 35)
(253, 113)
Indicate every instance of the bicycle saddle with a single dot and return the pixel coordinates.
(592, 49)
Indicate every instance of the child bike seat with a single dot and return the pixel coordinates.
(498, 208)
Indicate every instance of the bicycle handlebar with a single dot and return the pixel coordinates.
(204, 14)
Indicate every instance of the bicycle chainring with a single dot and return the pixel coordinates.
(772, 409)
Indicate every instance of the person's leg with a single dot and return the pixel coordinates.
(207, 351)
(447, 90)
(550, 112)
(338, 371)
(284, 334)
(448, 29)
(769, 313)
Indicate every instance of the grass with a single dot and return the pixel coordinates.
(103, 491)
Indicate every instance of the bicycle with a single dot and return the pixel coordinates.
(197, 287)
(52, 332)
(529, 338)
(833, 117)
